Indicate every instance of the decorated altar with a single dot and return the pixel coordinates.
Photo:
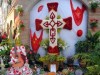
(48, 22)
(60, 42)
(55, 29)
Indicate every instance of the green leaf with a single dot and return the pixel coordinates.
(96, 36)
(89, 35)
(58, 17)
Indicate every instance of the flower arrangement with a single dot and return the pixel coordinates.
(61, 58)
(45, 43)
(22, 26)
(61, 44)
(94, 4)
(19, 8)
(82, 56)
(52, 58)
(93, 22)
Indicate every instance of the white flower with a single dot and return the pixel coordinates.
(63, 47)
(66, 47)
(45, 46)
(18, 6)
(60, 45)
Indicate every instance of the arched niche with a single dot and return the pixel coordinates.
(66, 8)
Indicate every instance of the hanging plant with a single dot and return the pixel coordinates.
(19, 9)
(61, 44)
(94, 4)
(22, 26)
(93, 24)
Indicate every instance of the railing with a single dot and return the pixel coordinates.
(13, 3)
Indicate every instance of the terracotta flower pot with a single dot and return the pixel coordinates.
(23, 28)
(94, 28)
(21, 13)
(93, 10)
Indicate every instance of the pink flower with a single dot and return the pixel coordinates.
(93, 20)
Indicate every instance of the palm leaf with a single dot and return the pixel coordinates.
(89, 35)
(96, 36)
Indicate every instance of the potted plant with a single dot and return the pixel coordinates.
(93, 24)
(5, 51)
(93, 41)
(61, 44)
(94, 4)
(86, 50)
(19, 9)
(22, 26)
(70, 62)
(83, 59)
(93, 70)
(81, 46)
(88, 53)
(93, 67)
(52, 59)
